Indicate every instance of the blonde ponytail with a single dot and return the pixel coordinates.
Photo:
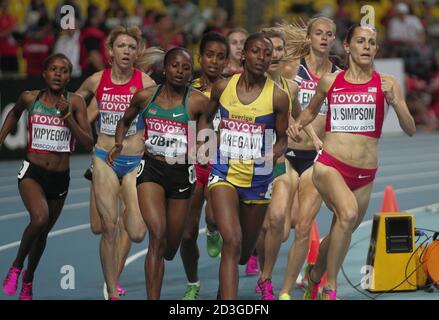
(150, 59)
(297, 43)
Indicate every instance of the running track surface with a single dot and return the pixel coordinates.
(410, 165)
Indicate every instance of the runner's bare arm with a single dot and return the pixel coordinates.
(395, 98)
(24, 102)
(215, 95)
(280, 107)
(199, 110)
(92, 110)
(147, 81)
(76, 119)
(296, 109)
(311, 112)
(89, 86)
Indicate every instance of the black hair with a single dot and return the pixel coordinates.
(172, 51)
(213, 37)
(55, 56)
(254, 36)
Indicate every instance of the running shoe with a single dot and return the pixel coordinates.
(121, 291)
(214, 243)
(26, 291)
(257, 289)
(252, 268)
(88, 174)
(192, 291)
(312, 288)
(10, 283)
(284, 296)
(266, 287)
(329, 294)
(115, 298)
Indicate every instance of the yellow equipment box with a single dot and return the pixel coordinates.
(391, 252)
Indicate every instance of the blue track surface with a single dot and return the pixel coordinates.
(410, 165)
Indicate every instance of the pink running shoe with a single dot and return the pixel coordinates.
(26, 291)
(252, 268)
(266, 288)
(10, 283)
(258, 288)
(114, 298)
(121, 291)
(329, 294)
(312, 288)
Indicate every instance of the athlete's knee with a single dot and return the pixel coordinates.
(138, 235)
(96, 228)
(190, 235)
(347, 217)
(232, 245)
(157, 238)
(40, 222)
(277, 220)
(302, 230)
(109, 227)
(170, 253)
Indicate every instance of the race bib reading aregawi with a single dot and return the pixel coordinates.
(49, 133)
(165, 137)
(241, 140)
(353, 112)
(112, 108)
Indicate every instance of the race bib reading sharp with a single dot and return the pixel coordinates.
(353, 112)
(241, 140)
(49, 133)
(112, 108)
(165, 137)
(307, 91)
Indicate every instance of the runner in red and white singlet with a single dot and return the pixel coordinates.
(345, 170)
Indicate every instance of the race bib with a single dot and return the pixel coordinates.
(306, 92)
(111, 109)
(109, 122)
(49, 133)
(192, 175)
(23, 169)
(166, 138)
(217, 120)
(353, 112)
(241, 140)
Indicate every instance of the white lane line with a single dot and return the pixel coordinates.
(408, 190)
(415, 165)
(133, 258)
(22, 214)
(434, 206)
(51, 234)
(409, 176)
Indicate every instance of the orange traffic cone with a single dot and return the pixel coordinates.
(314, 245)
(389, 201)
